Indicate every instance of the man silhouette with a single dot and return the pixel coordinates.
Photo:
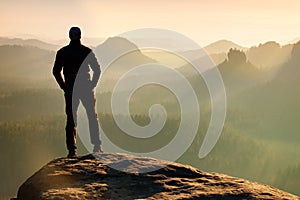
(76, 60)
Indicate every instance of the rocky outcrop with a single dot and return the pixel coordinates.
(91, 178)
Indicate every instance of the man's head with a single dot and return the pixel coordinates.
(75, 33)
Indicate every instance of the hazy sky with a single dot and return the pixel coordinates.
(247, 22)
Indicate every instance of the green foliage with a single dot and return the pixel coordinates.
(27, 146)
(289, 179)
(30, 103)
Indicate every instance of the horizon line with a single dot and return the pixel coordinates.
(104, 38)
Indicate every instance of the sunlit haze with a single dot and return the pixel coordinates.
(245, 22)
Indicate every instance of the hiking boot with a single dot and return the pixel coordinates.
(97, 149)
(72, 154)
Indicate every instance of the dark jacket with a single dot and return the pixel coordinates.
(75, 60)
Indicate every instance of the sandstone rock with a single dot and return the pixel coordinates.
(91, 178)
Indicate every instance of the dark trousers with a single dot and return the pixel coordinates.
(88, 100)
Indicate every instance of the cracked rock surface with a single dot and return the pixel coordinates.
(98, 177)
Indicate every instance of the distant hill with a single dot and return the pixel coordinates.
(223, 46)
(276, 102)
(117, 56)
(28, 42)
(266, 56)
(290, 71)
(88, 41)
(33, 59)
(53, 45)
(238, 73)
(26, 61)
(217, 51)
(269, 54)
(120, 51)
(29, 61)
(114, 47)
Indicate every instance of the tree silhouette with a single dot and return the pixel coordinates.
(296, 53)
(236, 56)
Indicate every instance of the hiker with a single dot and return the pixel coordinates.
(76, 60)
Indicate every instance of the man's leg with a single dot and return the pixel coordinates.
(89, 102)
(71, 108)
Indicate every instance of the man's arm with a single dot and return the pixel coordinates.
(96, 69)
(56, 71)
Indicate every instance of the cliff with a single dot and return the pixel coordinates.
(91, 178)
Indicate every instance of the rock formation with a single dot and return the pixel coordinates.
(91, 178)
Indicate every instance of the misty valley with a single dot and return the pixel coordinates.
(260, 140)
